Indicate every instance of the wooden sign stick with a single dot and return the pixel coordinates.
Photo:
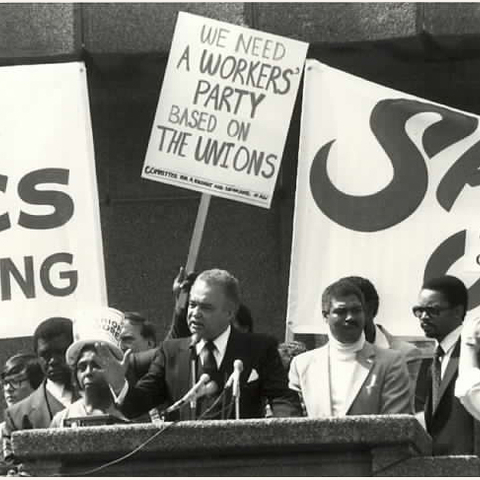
(195, 241)
(197, 232)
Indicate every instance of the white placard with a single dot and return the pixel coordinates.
(388, 185)
(472, 251)
(51, 260)
(224, 110)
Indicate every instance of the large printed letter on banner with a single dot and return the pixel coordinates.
(388, 188)
(51, 257)
(224, 110)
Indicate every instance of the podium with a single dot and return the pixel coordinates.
(386, 445)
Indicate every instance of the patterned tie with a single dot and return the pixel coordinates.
(436, 375)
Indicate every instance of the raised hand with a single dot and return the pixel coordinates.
(115, 369)
(178, 281)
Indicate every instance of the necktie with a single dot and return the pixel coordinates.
(209, 364)
(436, 375)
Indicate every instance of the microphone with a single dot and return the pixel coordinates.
(194, 339)
(203, 387)
(234, 380)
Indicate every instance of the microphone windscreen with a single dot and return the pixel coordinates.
(211, 388)
(194, 339)
(238, 365)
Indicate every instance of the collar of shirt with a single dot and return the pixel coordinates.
(63, 395)
(450, 340)
(220, 345)
(380, 338)
(448, 344)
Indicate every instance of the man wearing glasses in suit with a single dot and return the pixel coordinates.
(441, 308)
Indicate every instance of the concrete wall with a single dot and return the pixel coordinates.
(430, 50)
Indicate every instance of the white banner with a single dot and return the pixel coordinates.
(224, 110)
(388, 188)
(51, 259)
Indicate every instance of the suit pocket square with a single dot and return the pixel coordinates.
(253, 376)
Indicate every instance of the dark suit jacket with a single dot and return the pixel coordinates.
(169, 378)
(139, 364)
(35, 411)
(452, 428)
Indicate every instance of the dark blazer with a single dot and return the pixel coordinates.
(452, 428)
(263, 377)
(139, 364)
(35, 411)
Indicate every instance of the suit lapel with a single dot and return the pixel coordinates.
(365, 359)
(235, 351)
(44, 407)
(323, 395)
(184, 379)
(450, 372)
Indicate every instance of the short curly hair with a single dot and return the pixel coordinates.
(369, 292)
(452, 288)
(340, 288)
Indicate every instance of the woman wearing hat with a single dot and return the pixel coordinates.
(82, 356)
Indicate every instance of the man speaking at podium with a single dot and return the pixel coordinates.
(181, 365)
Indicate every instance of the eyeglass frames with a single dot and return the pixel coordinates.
(418, 311)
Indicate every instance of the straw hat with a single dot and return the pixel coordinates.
(102, 324)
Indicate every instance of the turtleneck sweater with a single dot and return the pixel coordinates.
(342, 370)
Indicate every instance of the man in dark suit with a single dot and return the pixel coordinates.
(50, 341)
(213, 348)
(441, 308)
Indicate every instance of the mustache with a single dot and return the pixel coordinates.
(351, 322)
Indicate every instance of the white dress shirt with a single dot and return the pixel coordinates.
(63, 395)
(219, 353)
(220, 346)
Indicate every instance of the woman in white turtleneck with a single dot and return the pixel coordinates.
(349, 376)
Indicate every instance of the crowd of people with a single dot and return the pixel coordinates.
(107, 363)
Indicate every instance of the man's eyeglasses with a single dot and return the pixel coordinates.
(13, 382)
(430, 311)
(343, 312)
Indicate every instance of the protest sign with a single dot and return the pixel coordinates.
(388, 188)
(51, 260)
(224, 110)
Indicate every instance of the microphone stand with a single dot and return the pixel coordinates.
(193, 377)
(237, 403)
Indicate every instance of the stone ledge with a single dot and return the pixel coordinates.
(246, 436)
(448, 466)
